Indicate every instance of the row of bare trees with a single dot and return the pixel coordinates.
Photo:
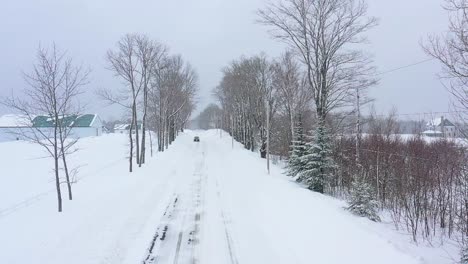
(159, 92)
(257, 91)
(324, 66)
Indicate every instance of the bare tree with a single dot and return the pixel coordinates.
(248, 97)
(151, 54)
(451, 50)
(171, 98)
(293, 95)
(54, 84)
(323, 33)
(126, 64)
(133, 61)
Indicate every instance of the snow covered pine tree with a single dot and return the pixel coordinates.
(362, 201)
(318, 164)
(298, 150)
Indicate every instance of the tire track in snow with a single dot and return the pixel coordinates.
(229, 239)
(179, 227)
(199, 206)
(186, 247)
(161, 231)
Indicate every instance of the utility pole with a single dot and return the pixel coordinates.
(268, 135)
(232, 132)
(358, 127)
(442, 126)
(377, 175)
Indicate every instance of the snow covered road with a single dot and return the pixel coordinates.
(231, 211)
(208, 202)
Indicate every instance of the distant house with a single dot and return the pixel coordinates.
(440, 127)
(125, 128)
(13, 127)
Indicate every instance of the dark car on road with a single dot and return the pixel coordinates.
(196, 139)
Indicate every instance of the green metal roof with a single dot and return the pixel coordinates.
(71, 120)
(84, 120)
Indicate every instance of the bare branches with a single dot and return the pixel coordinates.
(159, 86)
(451, 50)
(54, 85)
(323, 33)
(172, 94)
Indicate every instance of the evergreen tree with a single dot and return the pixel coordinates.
(318, 163)
(362, 201)
(298, 149)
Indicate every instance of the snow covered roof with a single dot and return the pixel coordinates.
(121, 126)
(431, 132)
(85, 120)
(438, 122)
(13, 120)
(125, 126)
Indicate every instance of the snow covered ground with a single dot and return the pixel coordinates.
(206, 202)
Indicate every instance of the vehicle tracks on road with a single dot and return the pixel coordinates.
(227, 230)
(177, 234)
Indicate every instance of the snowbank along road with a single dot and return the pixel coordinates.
(199, 202)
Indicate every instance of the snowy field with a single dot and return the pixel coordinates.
(207, 202)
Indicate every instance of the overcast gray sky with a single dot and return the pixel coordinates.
(209, 34)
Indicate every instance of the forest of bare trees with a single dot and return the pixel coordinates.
(306, 106)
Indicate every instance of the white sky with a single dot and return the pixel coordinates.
(209, 34)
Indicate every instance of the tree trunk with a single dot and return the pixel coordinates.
(143, 143)
(137, 138)
(64, 160)
(143, 130)
(358, 128)
(268, 137)
(56, 165)
(67, 175)
(151, 143)
(263, 150)
(130, 160)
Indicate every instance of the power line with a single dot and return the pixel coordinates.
(405, 156)
(425, 113)
(404, 67)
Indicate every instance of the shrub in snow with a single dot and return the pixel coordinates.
(464, 254)
(298, 150)
(318, 164)
(362, 201)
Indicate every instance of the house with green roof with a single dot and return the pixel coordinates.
(13, 126)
